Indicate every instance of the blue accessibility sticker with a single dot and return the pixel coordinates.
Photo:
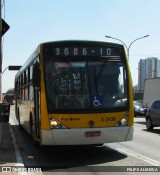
(97, 101)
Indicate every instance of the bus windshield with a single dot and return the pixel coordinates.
(85, 85)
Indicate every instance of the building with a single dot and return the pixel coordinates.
(147, 68)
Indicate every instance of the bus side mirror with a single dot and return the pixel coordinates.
(36, 76)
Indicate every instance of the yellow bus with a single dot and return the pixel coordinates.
(75, 93)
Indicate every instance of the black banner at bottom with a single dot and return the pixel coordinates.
(80, 169)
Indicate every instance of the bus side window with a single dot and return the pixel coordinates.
(36, 76)
(21, 80)
(28, 75)
(26, 92)
(31, 95)
(24, 77)
(31, 73)
(30, 87)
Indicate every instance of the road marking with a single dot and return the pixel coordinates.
(139, 156)
(19, 161)
(17, 152)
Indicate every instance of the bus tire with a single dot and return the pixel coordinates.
(149, 125)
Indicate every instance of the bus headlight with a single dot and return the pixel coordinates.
(123, 121)
(55, 124)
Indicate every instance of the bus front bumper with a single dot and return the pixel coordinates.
(86, 136)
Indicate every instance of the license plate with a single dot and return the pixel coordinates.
(92, 133)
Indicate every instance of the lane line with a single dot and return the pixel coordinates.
(19, 160)
(139, 156)
(17, 151)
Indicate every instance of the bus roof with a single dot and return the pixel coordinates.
(82, 42)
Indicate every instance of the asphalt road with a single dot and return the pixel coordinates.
(143, 151)
(145, 142)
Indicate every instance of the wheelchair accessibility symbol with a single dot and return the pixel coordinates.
(97, 101)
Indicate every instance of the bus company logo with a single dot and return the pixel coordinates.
(74, 118)
(64, 119)
(69, 119)
(6, 169)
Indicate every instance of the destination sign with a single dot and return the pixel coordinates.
(87, 51)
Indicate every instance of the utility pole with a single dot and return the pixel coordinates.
(1, 141)
(0, 50)
(1, 36)
(3, 29)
